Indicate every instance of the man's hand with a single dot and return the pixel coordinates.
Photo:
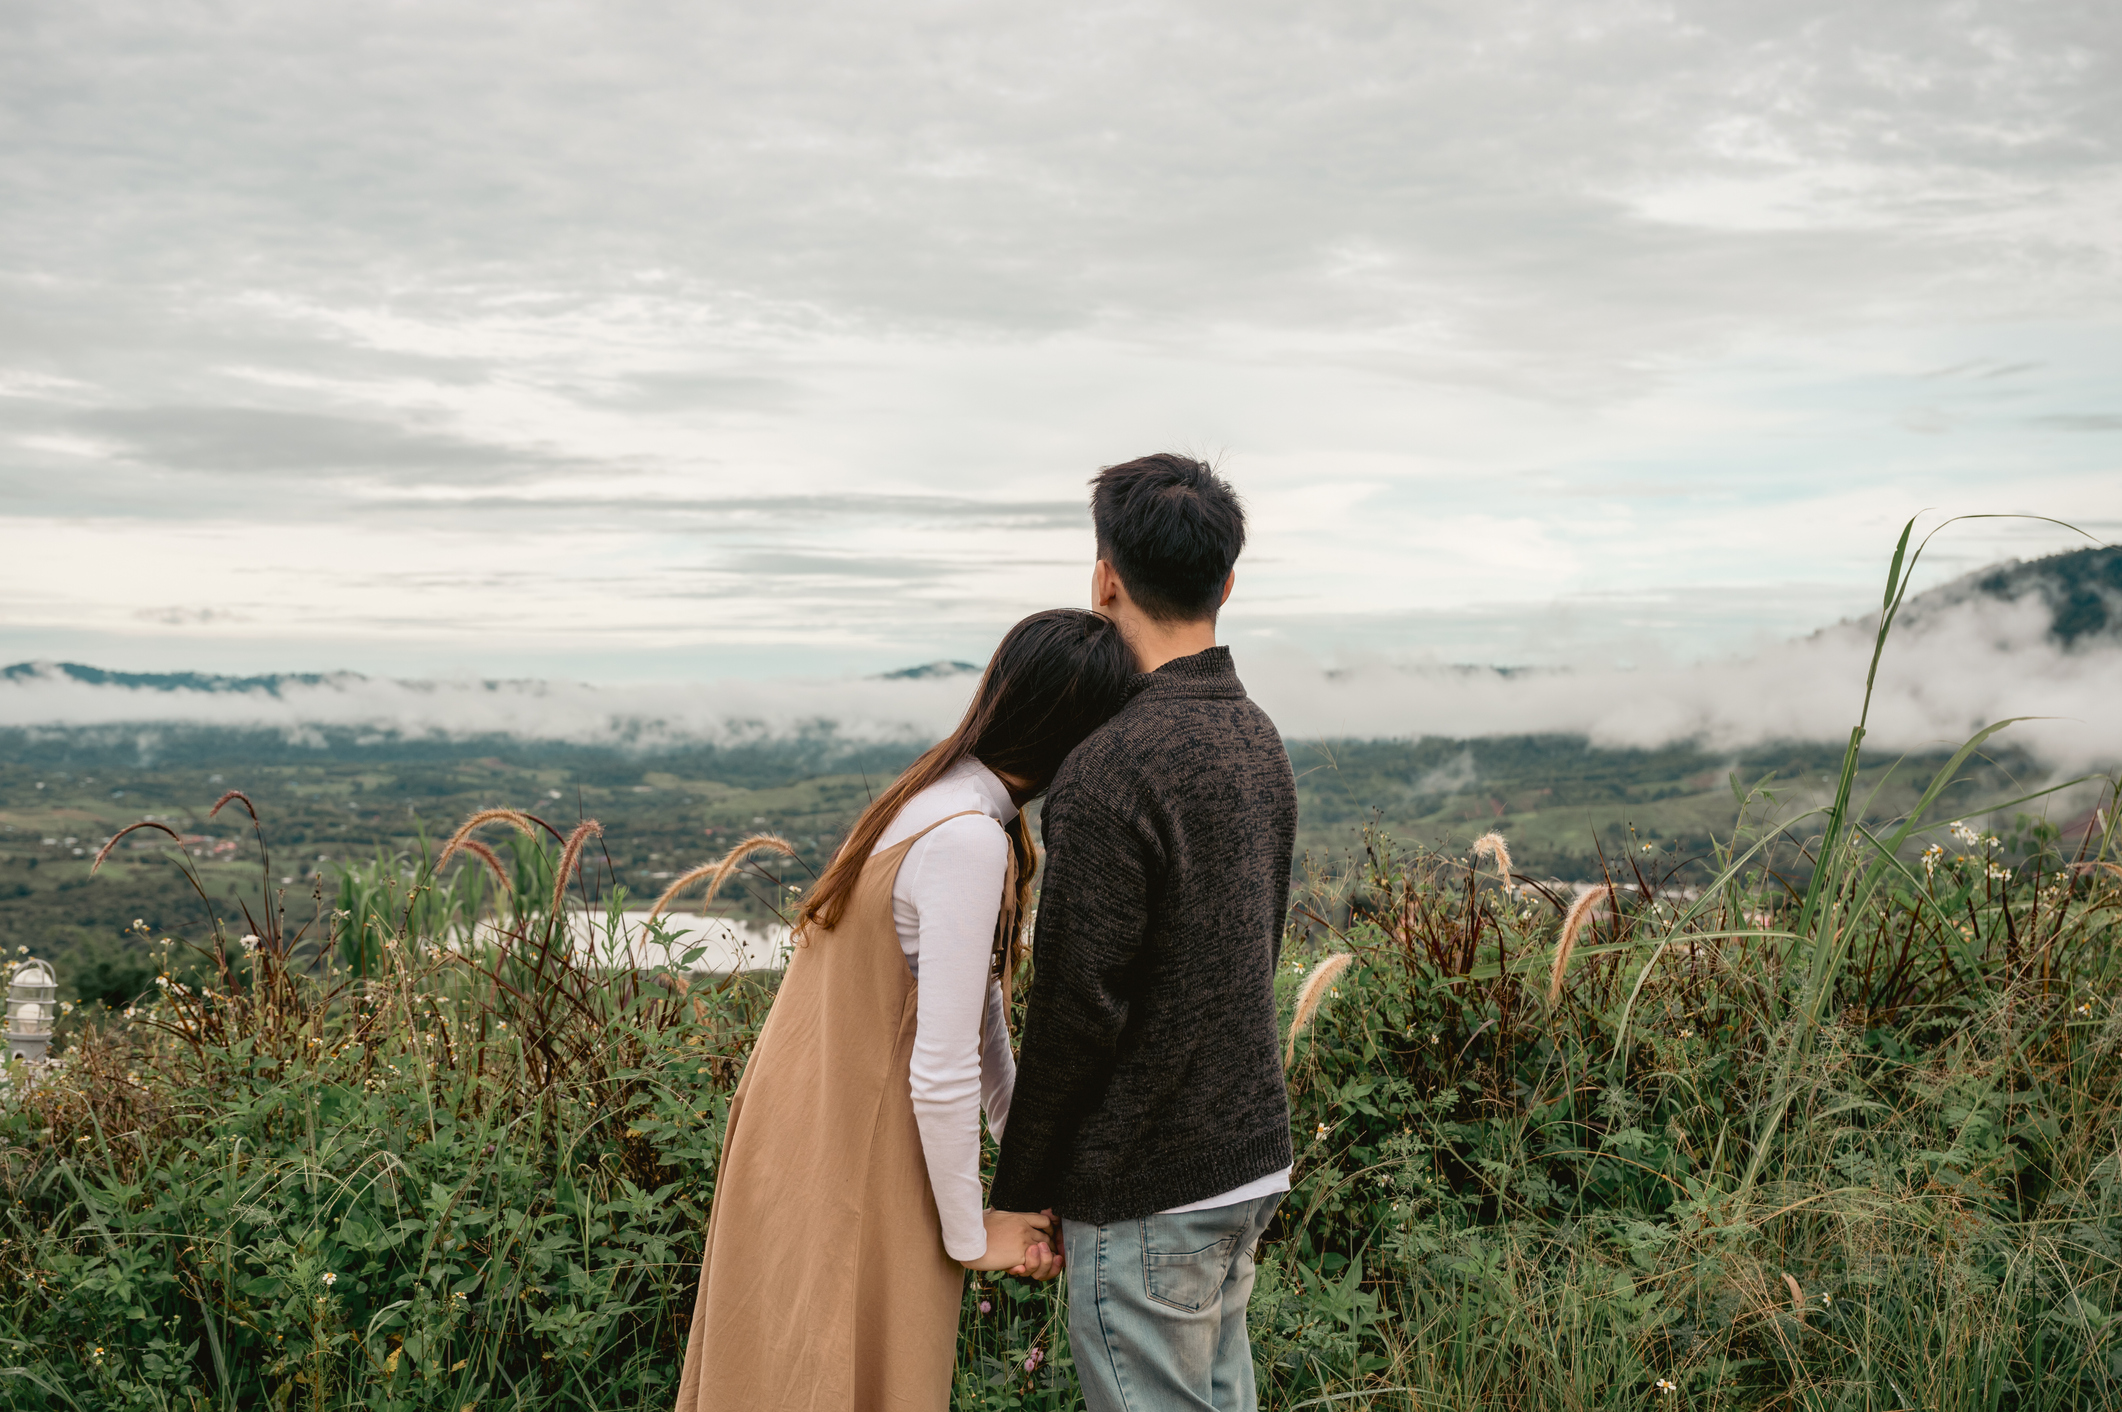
(1042, 1261)
(1012, 1239)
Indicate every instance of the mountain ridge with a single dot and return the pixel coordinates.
(2081, 589)
(2034, 640)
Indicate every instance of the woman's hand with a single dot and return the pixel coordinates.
(1042, 1262)
(1021, 1243)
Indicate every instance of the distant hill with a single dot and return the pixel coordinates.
(2082, 591)
(344, 765)
(928, 671)
(272, 684)
(67, 714)
(763, 763)
(2056, 647)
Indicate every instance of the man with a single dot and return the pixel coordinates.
(1149, 1110)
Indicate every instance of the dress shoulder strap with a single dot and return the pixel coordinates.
(910, 842)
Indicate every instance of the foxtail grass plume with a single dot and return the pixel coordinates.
(487, 856)
(112, 842)
(522, 822)
(1573, 922)
(571, 858)
(239, 797)
(717, 872)
(1311, 993)
(1491, 846)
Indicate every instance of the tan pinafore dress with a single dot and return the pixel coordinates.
(824, 1285)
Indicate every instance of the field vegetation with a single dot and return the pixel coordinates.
(1822, 1115)
(1569, 808)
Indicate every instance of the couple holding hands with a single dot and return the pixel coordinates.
(1143, 1124)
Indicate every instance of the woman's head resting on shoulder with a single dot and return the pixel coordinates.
(1056, 677)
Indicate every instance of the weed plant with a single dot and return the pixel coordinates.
(1661, 1187)
(1838, 1130)
(371, 1167)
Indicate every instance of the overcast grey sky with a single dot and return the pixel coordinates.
(643, 340)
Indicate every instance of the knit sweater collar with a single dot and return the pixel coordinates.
(1210, 673)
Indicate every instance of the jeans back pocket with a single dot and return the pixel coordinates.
(1185, 1279)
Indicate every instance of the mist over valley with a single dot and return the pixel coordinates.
(1583, 769)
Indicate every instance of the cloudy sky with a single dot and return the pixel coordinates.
(672, 341)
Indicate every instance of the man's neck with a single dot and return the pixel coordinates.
(1155, 643)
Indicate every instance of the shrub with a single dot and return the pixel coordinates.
(1839, 1129)
(463, 1174)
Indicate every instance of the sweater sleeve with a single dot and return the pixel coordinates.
(1094, 908)
(953, 879)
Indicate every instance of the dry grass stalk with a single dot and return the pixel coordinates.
(717, 872)
(1579, 913)
(1797, 1296)
(1492, 846)
(522, 822)
(570, 859)
(105, 851)
(241, 798)
(487, 856)
(1311, 994)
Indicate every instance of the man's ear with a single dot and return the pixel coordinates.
(1229, 583)
(1106, 590)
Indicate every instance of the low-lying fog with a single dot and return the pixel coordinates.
(1946, 673)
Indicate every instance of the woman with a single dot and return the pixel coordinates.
(847, 1207)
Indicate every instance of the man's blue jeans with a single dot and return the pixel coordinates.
(1156, 1309)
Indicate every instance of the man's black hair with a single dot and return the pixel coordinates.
(1171, 528)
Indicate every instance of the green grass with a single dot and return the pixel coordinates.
(329, 817)
(1568, 808)
(504, 1162)
(1561, 1206)
(1823, 1114)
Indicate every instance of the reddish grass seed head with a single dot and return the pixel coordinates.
(1579, 913)
(1311, 994)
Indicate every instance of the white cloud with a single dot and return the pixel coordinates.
(1942, 679)
(1946, 674)
(451, 320)
(645, 716)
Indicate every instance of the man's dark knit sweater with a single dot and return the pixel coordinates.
(1150, 1075)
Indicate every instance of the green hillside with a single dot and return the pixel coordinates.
(1562, 803)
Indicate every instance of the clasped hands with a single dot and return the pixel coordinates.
(1022, 1243)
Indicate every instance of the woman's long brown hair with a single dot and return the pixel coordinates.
(1056, 677)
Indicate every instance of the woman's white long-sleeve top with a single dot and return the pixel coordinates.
(944, 904)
